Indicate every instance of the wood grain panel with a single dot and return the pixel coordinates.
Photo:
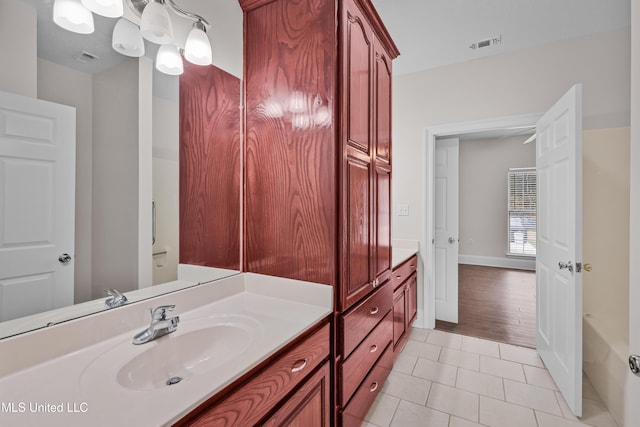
(497, 304)
(291, 156)
(209, 167)
(252, 402)
(382, 212)
(412, 298)
(383, 105)
(310, 406)
(399, 313)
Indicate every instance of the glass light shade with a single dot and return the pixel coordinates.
(108, 8)
(127, 39)
(197, 49)
(169, 60)
(73, 16)
(155, 24)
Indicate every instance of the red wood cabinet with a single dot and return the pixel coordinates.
(405, 299)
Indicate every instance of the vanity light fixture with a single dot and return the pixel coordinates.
(155, 26)
(73, 16)
(107, 8)
(169, 60)
(127, 39)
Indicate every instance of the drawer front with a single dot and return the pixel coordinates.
(353, 414)
(403, 271)
(357, 366)
(260, 394)
(363, 318)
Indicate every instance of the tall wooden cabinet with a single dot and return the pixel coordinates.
(317, 155)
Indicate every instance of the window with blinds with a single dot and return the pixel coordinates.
(522, 211)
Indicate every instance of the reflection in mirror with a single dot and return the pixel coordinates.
(129, 119)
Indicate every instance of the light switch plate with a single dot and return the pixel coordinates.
(403, 210)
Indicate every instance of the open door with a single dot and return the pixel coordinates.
(559, 244)
(446, 229)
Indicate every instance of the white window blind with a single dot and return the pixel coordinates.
(522, 211)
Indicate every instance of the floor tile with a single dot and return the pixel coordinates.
(480, 346)
(409, 414)
(445, 339)
(453, 401)
(594, 413)
(548, 420)
(477, 382)
(459, 422)
(564, 407)
(419, 334)
(501, 368)
(435, 371)
(531, 396)
(405, 363)
(382, 410)
(367, 424)
(523, 355)
(460, 358)
(421, 349)
(496, 413)
(539, 377)
(407, 387)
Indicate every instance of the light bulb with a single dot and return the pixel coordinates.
(197, 49)
(108, 8)
(155, 24)
(127, 39)
(169, 60)
(73, 16)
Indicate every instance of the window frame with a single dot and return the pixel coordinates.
(512, 172)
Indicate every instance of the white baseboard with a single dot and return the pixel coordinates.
(516, 263)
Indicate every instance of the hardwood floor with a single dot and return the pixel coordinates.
(497, 304)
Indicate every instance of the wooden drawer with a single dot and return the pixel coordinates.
(260, 394)
(361, 320)
(353, 414)
(357, 366)
(403, 271)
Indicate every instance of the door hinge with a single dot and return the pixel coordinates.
(578, 267)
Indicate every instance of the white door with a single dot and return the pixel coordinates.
(559, 244)
(446, 229)
(37, 199)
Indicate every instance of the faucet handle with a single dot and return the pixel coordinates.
(160, 313)
(116, 298)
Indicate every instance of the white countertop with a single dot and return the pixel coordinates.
(80, 388)
(400, 255)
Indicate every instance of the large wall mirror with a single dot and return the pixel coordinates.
(143, 197)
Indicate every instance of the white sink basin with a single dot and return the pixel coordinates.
(198, 346)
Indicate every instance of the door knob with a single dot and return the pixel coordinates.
(568, 266)
(64, 258)
(634, 364)
(451, 240)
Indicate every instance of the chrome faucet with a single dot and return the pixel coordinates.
(116, 299)
(159, 326)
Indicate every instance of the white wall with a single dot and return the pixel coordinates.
(482, 184)
(70, 87)
(18, 46)
(115, 179)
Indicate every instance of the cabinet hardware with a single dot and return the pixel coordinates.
(374, 386)
(373, 348)
(299, 366)
(374, 310)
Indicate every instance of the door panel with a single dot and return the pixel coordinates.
(382, 212)
(383, 105)
(37, 205)
(559, 289)
(446, 230)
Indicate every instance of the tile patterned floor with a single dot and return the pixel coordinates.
(449, 380)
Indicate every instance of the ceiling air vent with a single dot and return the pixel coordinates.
(87, 57)
(486, 42)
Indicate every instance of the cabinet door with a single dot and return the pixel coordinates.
(399, 311)
(382, 222)
(357, 79)
(308, 407)
(412, 298)
(382, 96)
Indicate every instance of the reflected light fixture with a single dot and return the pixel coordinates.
(127, 39)
(107, 8)
(155, 26)
(169, 60)
(197, 49)
(73, 16)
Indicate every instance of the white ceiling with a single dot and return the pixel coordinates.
(433, 33)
